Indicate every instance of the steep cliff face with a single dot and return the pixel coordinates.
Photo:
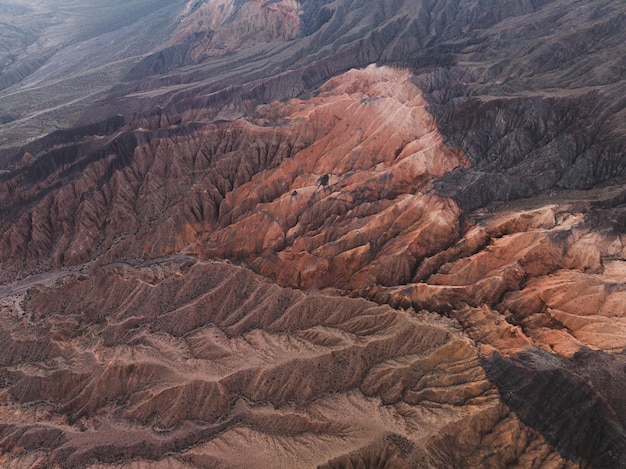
(360, 233)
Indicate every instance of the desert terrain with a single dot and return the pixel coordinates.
(296, 234)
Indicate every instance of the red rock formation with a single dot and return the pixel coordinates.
(486, 324)
(325, 192)
(219, 366)
(351, 209)
(251, 190)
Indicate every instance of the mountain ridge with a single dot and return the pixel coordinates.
(375, 234)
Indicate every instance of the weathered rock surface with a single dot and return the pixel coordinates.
(455, 167)
(542, 289)
(221, 367)
(587, 411)
(285, 189)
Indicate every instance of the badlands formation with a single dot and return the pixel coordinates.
(336, 234)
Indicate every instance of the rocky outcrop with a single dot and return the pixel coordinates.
(212, 363)
(283, 188)
(542, 290)
(521, 155)
(454, 167)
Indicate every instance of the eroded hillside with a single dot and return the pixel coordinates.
(343, 234)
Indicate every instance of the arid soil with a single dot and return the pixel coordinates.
(399, 250)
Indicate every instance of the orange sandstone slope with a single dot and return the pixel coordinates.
(186, 363)
(182, 363)
(354, 208)
(343, 177)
